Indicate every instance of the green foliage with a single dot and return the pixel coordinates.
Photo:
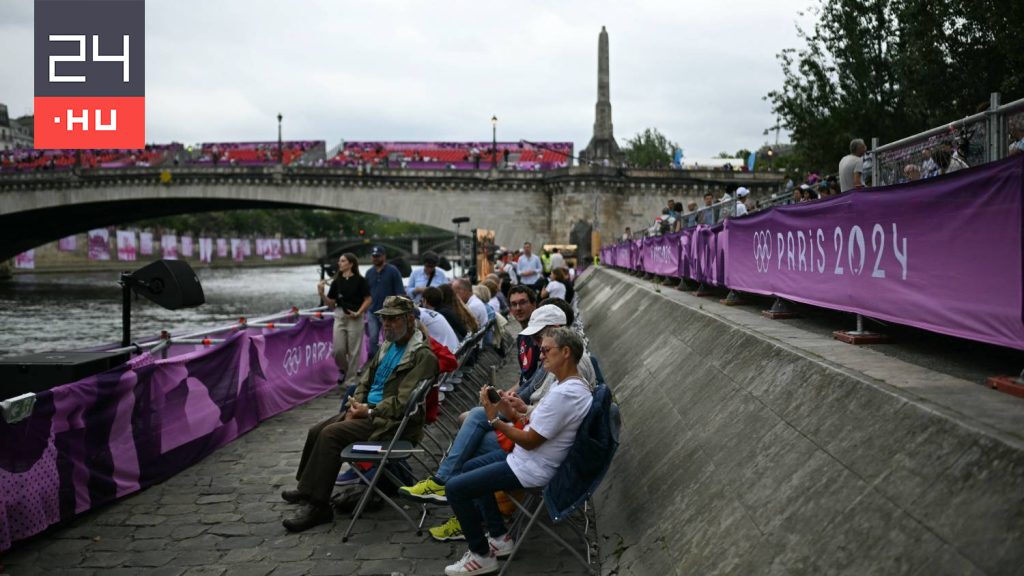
(295, 223)
(650, 149)
(891, 68)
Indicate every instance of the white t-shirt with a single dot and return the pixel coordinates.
(849, 166)
(741, 209)
(557, 260)
(477, 307)
(439, 329)
(556, 418)
(556, 289)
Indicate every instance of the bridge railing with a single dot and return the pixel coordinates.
(979, 139)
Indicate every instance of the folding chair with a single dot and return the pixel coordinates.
(394, 451)
(573, 483)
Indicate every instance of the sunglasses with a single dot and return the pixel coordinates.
(545, 349)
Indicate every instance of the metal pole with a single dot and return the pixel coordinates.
(494, 142)
(874, 164)
(126, 310)
(458, 247)
(996, 139)
(280, 154)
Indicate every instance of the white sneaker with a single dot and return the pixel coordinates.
(502, 546)
(472, 564)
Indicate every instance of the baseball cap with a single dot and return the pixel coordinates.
(377, 251)
(396, 306)
(741, 192)
(546, 315)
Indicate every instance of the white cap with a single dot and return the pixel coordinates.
(546, 315)
(741, 192)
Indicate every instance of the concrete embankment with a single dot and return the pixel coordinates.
(753, 447)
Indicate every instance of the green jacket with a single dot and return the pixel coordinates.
(417, 362)
(545, 261)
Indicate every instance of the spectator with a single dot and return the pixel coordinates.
(508, 267)
(455, 303)
(373, 413)
(539, 449)
(708, 217)
(956, 161)
(522, 301)
(433, 299)
(556, 287)
(911, 172)
(691, 217)
(384, 280)
(557, 260)
(497, 301)
(464, 291)
(349, 297)
(741, 201)
(678, 217)
(929, 168)
(438, 328)
(529, 267)
(545, 261)
(425, 277)
(1016, 140)
(628, 234)
(851, 167)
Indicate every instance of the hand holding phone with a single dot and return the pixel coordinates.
(492, 395)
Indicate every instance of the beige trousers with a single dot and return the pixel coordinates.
(348, 342)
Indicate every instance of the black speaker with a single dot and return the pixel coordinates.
(169, 283)
(38, 372)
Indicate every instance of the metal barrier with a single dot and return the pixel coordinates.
(979, 138)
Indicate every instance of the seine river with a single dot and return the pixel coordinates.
(45, 312)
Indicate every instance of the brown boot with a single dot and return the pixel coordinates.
(310, 516)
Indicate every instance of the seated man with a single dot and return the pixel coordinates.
(539, 450)
(374, 412)
(477, 437)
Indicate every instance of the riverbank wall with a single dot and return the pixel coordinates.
(49, 259)
(753, 447)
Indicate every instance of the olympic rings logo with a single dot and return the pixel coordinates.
(762, 250)
(292, 360)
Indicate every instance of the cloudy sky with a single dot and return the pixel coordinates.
(220, 70)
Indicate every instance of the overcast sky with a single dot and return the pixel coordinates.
(221, 70)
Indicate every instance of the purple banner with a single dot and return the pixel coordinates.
(101, 438)
(661, 255)
(942, 254)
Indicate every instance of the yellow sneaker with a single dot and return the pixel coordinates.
(425, 491)
(448, 532)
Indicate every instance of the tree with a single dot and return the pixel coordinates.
(891, 68)
(650, 149)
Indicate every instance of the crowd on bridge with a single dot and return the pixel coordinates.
(412, 331)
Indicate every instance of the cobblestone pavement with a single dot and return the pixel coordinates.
(223, 517)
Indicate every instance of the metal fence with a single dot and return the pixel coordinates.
(979, 138)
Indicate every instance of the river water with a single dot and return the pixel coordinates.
(45, 312)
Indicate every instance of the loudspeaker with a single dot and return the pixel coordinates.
(169, 283)
(38, 372)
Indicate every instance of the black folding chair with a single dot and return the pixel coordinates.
(572, 486)
(383, 453)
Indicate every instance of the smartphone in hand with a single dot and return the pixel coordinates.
(492, 395)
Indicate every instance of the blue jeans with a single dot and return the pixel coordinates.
(475, 438)
(372, 335)
(474, 488)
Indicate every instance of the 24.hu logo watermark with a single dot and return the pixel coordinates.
(89, 69)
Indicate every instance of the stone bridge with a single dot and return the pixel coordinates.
(551, 206)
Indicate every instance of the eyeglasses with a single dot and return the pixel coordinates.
(518, 303)
(545, 349)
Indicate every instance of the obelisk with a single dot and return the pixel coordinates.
(602, 148)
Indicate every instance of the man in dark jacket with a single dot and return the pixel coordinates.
(374, 412)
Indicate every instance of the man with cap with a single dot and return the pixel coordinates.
(741, 201)
(374, 412)
(476, 436)
(384, 280)
(425, 277)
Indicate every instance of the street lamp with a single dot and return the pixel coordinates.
(494, 142)
(458, 245)
(280, 155)
(771, 154)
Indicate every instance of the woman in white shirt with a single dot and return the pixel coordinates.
(556, 287)
(540, 448)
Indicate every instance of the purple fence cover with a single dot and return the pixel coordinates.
(93, 441)
(942, 254)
